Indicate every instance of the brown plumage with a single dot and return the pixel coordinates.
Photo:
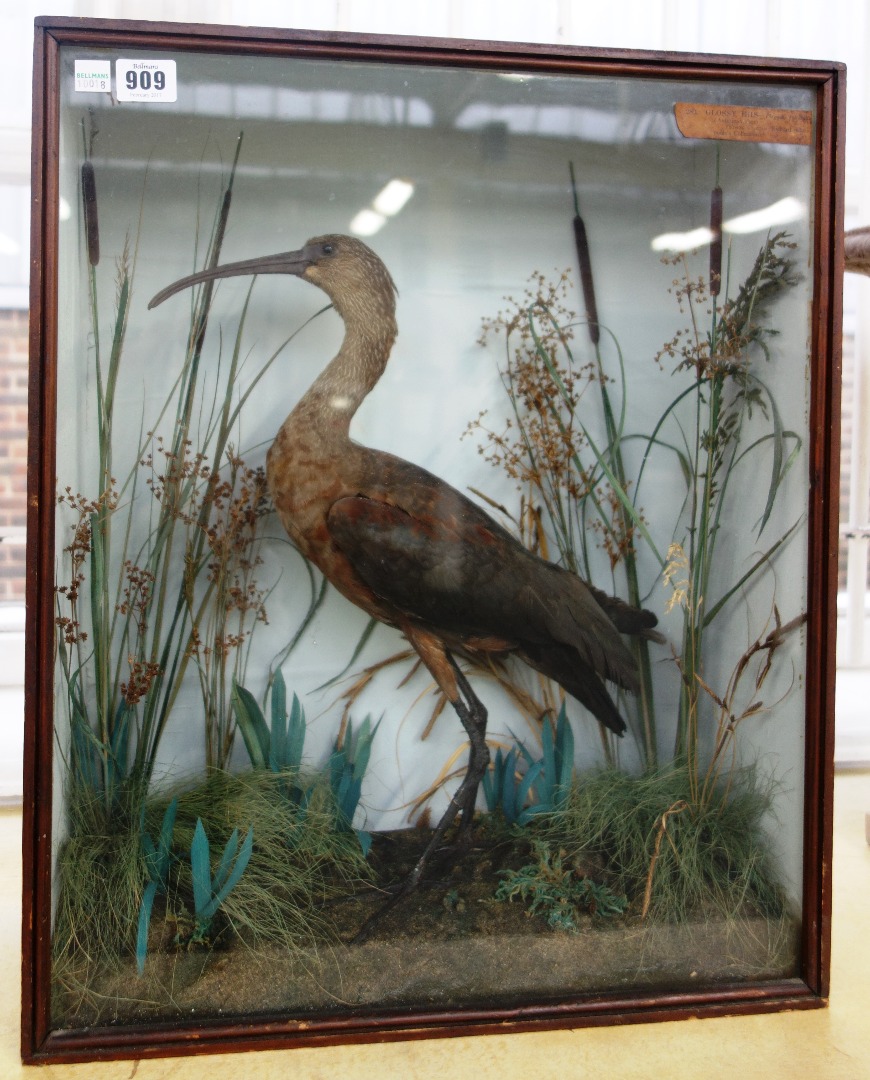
(409, 549)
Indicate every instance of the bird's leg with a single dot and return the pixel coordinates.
(472, 714)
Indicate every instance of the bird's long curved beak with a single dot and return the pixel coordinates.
(286, 262)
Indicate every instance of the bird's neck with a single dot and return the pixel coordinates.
(337, 393)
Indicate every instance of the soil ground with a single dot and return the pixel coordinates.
(448, 944)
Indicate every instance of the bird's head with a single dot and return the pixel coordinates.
(347, 270)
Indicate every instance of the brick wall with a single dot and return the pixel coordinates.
(13, 448)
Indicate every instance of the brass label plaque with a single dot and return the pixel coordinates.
(744, 123)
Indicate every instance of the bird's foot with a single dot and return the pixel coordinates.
(407, 887)
(365, 931)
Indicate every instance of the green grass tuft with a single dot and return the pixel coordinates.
(298, 863)
(673, 858)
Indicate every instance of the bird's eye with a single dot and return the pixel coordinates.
(329, 249)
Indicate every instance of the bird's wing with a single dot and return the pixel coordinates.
(446, 565)
(427, 565)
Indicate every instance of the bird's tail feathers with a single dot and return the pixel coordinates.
(627, 618)
(560, 663)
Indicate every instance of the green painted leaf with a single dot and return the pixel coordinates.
(295, 736)
(525, 787)
(564, 758)
(362, 748)
(492, 781)
(252, 724)
(157, 858)
(509, 789)
(238, 869)
(547, 783)
(278, 741)
(223, 871)
(201, 870)
(144, 922)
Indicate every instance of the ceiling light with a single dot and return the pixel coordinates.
(779, 213)
(686, 241)
(367, 222)
(393, 197)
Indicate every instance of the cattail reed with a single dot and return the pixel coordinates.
(585, 263)
(89, 205)
(716, 241)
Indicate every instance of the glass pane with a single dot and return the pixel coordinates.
(652, 442)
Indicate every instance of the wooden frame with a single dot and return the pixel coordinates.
(43, 1039)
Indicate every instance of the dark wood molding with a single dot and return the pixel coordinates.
(39, 654)
(389, 48)
(261, 1033)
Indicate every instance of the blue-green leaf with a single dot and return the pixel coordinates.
(525, 786)
(223, 870)
(509, 788)
(144, 922)
(363, 746)
(238, 869)
(252, 724)
(564, 758)
(295, 736)
(278, 741)
(201, 870)
(491, 782)
(544, 786)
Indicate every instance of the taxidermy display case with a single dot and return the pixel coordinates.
(489, 688)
